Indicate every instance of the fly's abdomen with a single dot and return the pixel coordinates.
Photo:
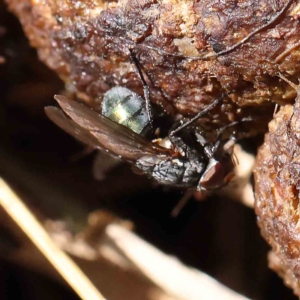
(125, 107)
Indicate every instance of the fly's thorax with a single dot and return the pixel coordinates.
(125, 107)
(148, 162)
(178, 172)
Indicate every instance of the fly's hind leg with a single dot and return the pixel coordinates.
(182, 202)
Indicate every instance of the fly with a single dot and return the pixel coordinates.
(183, 159)
(187, 162)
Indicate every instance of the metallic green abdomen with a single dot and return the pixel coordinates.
(125, 107)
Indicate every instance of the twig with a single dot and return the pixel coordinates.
(62, 263)
(176, 279)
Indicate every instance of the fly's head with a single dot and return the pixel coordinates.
(219, 170)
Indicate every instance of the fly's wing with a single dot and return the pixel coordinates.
(109, 135)
(103, 161)
(61, 120)
(102, 164)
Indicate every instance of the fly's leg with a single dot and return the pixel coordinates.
(182, 202)
(232, 139)
(199, 115)
(207, 147)
(145, 86)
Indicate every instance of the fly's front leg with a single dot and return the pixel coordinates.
(207, 147)
(145, 86)
(199, 115)
(232, 140)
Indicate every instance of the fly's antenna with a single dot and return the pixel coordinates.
(145, 86)
(199, 115)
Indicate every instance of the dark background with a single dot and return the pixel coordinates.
(217, 236)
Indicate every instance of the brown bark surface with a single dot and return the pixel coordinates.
(87, 43)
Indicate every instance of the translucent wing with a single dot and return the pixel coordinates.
(103, 163)
(61, 120)
(100, 132)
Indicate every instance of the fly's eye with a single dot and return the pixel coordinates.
(213, 176)
(228, 178)
(217, 174)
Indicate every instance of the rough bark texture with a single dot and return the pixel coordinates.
(277, 180)
(87, 43)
